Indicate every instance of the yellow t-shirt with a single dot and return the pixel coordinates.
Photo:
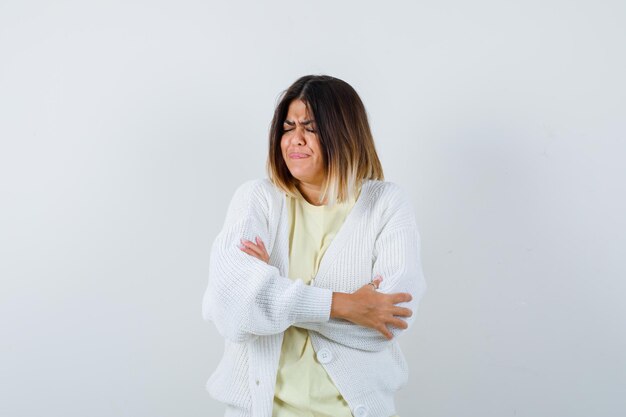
(303, 388)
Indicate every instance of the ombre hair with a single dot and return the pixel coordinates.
(344, 133)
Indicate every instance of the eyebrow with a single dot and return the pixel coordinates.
(305, 122)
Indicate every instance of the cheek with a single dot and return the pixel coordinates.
(317, 150)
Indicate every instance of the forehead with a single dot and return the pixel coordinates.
(298, 110)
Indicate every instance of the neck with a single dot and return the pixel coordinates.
(311, 192)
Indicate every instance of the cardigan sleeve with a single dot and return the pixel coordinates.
(246, 297)
(398, 260)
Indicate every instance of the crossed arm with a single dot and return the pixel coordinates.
(247, 297)
(369, 319)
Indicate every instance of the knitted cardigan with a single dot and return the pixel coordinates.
(252, 302)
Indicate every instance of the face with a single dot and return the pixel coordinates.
(300, 145)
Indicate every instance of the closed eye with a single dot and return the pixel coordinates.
(308, 130)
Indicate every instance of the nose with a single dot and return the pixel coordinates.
(298, 136)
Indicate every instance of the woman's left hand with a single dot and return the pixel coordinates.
(257, 250)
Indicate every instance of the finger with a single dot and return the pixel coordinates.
(251, 252)
(252, 247)
(266, 255)
(402, 312)
(385, 332)
(375, 282)
(399, 323)
(401, 297)
(260, 243)
(258, 247)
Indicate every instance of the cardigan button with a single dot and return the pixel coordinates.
(324, 355)
(360, 411)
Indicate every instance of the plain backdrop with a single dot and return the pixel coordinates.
(126, 126)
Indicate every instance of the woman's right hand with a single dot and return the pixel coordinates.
(370, 308)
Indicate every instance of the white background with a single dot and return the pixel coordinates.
(125, 127)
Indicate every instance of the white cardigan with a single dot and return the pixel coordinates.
(252, 302)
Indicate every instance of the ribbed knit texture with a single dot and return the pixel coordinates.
(251, 302)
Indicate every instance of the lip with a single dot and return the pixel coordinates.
(298, 155)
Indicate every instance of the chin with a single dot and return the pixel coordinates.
(298, 175)
(297, 172)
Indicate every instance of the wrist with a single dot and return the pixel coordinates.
(340, 306)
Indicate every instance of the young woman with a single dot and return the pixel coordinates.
(316, 270)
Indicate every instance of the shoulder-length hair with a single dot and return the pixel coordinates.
(344, 133)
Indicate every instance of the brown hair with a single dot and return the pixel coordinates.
(344, 134)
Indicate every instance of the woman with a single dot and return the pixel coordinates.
(316, 269)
